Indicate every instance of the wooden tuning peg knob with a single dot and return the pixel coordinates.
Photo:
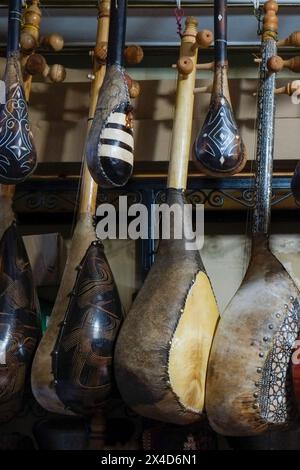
(133, 87)
(203, 39)
(276, 64)
(185, 65)
(133, 54)
(100, 52)
(289, 89)
(292, 40)
(35, 64)
(57, 73)
(271, 6)
(28, 43)
(54, 42)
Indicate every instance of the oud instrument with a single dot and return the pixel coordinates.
(109, 149)
(163, 345)
(20, 327)
(248, 381)
(218, 148)
(72, 369)
(17, 150)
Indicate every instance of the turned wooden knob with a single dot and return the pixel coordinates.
(185, 65)
(276, 64)
(54, 41)
(57, 73)
(100, 52)
(133, 54)
(32, 18)
(292, 40)
(203, 39)
(271, 5)
(27, 42)
(133, 86)
(289, 89)
(35, 64)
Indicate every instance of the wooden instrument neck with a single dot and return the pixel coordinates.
(182, 124)
(220, 20)
(14, 26)
(88, 191)
(265, 142)
(117, 32)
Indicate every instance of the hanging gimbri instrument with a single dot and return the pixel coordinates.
(20, 327)
(17, 150)
(248, 380)
(72, 369)
(218, 148)
(109, 149)
(162, 349)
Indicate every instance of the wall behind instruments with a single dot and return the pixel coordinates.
(58, 115)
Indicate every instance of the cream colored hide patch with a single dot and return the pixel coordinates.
(191, 345)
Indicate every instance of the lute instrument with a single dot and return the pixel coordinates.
(20, 326)
(163, 345)
(248, 380)
(218, 148)
(72, 369)
(109, 149)
(17, 150)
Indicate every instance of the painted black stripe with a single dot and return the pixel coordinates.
(116, 143)
(114, 125)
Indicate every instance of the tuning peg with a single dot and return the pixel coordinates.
(204, 89)
(207, 66)
(54, 41)
(185, 65)
(289, 89)
(203, 39)
(133, 87)
(133, 54)
(30, 31)
(276, 64)
(292, 40)
(36, 65)
(28, 43)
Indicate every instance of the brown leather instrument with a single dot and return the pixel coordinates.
(163, 346)
(248, 381)
(17, 150)
(72, 369)
(218, 148)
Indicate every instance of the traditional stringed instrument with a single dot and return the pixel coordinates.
(17, 150)
(72, 369)
(109, 149)
(20, 327)
(248, 381)
(163, 346)
(218, 148)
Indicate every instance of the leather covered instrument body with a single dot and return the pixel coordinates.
(17, 150)
(249, 381)
(218, 148)
(110, 143)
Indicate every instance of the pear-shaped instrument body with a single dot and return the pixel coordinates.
(82, 357)
(219, 148)
(19, 321)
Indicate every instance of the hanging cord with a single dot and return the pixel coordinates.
(179, 13)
